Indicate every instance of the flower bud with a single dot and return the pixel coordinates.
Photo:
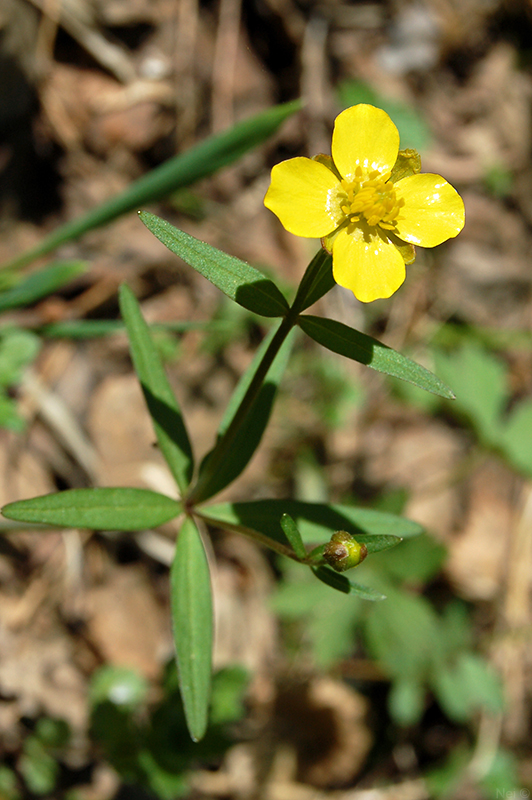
(344, 552)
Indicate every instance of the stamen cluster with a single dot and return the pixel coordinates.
(372, 197)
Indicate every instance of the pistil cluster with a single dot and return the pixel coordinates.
(372, 197)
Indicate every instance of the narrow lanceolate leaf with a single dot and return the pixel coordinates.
(40, 284)
(98, 509)
(316, 522)
(182, 170)
(160, 399)
(343, 584)
(318, 279)
(294, 537)
(238, 280)
(362, 348)
(213, 479)
(192, 619)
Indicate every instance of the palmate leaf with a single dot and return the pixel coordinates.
(316, 522)
(238, 280)
(160, 399)
(182, 170)
(358, 346)
(192, 618)
(118, 509)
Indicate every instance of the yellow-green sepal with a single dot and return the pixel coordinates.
(408, 163)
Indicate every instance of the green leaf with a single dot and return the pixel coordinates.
(97, 509)
(516, 439)
(38, 768)
(480, 383)
(418, 560)
(403, 635)
(193, 626)
(316, 521)
(160, 399)
(467, 686)
(406, 701)
(40, 284)
(317, 280)
(122, 686)
(252, 427)
(329, 618)
(343, 584)
(18, 348)
(362, 348)
(182, 170)
(238, 280)
(294, 537)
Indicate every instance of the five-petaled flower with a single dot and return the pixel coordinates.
(367, 202)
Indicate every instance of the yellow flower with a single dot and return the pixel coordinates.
(368, 203)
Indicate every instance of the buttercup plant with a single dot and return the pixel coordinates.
(370, 205)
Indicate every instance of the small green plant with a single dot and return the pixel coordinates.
(148, 745)
(369, 222)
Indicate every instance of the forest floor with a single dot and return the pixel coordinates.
(92, 97)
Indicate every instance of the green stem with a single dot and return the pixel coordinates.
(225, 442)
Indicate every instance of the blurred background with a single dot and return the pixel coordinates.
(317, 695)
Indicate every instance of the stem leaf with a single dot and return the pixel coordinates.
(163, 407)
(343, 584)
(192, 618)
(97, 509)
(238, 280)
(294, 537)
(316, 522)
(252, 427)
(358, 346)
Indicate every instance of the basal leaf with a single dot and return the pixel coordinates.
(182, 170)
(160, 399)
(192, 619)
(362, 348)
(40, 284)
(238, 280)
(97, 509)
(481, 386)
(516, 440)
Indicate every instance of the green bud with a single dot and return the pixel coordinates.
(343, 552)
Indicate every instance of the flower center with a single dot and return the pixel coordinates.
(373, 197)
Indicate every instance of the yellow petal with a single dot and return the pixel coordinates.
(364, 136)
(303, 194)
(433, 211)
(367, 263)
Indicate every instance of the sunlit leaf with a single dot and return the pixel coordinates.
(97, 509)
(235, 278)
(160, 399)
(192, 618)
(358, 346)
